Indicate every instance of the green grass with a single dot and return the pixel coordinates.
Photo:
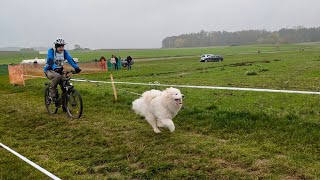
(219, 134)
(17, 57)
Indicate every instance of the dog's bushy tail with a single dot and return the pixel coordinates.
(149, 95)
(141, 105)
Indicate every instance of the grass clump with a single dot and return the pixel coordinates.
(251, 73)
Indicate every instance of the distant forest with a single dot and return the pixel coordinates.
(245, 37)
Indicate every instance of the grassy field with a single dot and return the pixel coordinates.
(17, 57)
(219, 134)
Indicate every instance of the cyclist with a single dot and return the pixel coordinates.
(54, 65)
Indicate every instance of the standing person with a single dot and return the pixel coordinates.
(113, 62)
(129, 61)
(117, 61)
(54, 65)
(103, 63)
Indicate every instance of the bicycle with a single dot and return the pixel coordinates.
(70, 99)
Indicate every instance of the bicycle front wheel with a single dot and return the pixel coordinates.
(73, 102)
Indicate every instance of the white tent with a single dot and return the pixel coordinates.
(31, 61)
(41, 61)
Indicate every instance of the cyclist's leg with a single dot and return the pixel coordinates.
(63, 96)
(56, 78)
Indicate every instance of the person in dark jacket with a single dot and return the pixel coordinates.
(129, 62)
(116, 67)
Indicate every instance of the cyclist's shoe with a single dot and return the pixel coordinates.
(52, 93)
(64, 109)
(48, 100)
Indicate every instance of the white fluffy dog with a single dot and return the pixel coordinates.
(159, 107)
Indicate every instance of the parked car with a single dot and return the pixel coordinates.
(124, 63)
(211, 58)
(205, 56)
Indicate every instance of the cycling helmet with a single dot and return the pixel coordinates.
(59, 41)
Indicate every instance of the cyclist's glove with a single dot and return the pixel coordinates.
(78, 70)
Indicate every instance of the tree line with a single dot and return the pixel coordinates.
(245, 37)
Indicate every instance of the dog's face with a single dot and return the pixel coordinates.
(175, 94)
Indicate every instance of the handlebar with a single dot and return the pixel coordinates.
(65, 76)
(67, 72)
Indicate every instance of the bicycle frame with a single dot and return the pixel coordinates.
(65, 80)
(67, 89)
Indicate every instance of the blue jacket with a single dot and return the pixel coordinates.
(50, 64)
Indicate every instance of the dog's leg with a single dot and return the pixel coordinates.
(159, 123)
(167, 123)
(153, 123)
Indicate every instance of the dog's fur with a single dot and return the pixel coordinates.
(159, 107)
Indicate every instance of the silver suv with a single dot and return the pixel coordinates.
(211, 58)
(205, 56)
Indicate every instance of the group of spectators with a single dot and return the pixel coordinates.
(115, 62)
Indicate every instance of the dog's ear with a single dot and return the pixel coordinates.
(167, 93)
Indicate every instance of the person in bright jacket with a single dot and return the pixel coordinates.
(54, 65)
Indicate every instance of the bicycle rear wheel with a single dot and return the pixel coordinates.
(49, 103)
(73, 103)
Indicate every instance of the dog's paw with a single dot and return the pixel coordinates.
(171, 128)
(167, 123)
(157, 131)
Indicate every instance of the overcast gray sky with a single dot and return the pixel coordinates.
(142, 23)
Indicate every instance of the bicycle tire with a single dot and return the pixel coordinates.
(50, 105)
